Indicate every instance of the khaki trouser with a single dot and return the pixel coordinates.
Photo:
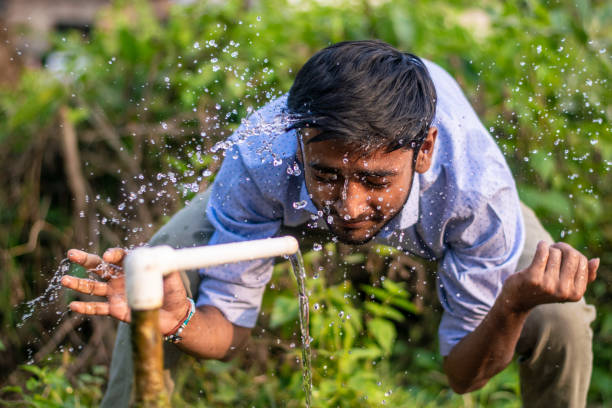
(554, 350)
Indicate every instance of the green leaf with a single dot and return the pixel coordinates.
(37, 371)
(378, 293)
(353, 259)
(543, 165)
(384, 332)
(364, 383)
(286, 309)
(550, 201)
(379, 310)
(369, 353)
(11, 388)
(385, 250)
(406, 305)
(606, 326)
(395, 288)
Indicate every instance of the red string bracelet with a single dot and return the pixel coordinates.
(174, 335)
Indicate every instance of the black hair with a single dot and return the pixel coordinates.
(364, 92)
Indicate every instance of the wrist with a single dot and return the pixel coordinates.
(510, 298)
(180, 313)
(174, 335)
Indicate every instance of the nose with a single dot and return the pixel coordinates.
(353, 201)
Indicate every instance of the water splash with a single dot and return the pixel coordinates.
(256, 125)
(298, 205)
(297, 264)
(49, 296)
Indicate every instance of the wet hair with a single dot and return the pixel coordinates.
(364, 92)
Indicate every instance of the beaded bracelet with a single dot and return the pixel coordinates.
(175, 334)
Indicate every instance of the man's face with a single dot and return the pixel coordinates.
(358, 193)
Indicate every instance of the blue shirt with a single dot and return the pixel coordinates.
(464, 212)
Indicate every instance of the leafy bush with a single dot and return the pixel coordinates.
(356, 359)
(49, 388)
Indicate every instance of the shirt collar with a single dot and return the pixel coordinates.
(305, 197)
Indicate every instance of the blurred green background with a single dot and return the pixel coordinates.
(106, 130)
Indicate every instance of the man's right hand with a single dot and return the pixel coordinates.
(558, 273)
(109, 268)
(175, 304)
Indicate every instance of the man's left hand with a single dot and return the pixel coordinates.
(558, 273)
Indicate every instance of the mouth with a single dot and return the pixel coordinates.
(352, 224)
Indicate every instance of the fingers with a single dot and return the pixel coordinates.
(105, 267)
(553, 265)
(575, 272)
(91, 308)
(581, 278)
(569, 270)
(540, 259)
(89, 261)
(114, 255)
(86, 286)
(593, 265)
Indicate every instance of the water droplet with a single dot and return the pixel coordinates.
(298, 205)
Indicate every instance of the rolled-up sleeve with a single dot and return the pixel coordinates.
(483, 247)
(239, 212)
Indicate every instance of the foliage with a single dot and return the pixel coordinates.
(352, 365)
(147, 99)
(356, 362)
(49, 388)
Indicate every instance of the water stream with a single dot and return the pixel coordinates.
(297, 264)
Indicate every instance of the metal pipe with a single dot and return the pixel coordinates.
(145, 268)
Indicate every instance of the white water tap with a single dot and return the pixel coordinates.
(145, 267)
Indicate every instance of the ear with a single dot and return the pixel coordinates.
(302, 137)
(424, 158)
(299, 154)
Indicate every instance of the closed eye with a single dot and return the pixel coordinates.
(376, 184)
(324, 174)
(326, 177)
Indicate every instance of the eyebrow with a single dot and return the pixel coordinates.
(322, 136)
(323, 169)
(363, 173)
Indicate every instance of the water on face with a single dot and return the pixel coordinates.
(300, 275)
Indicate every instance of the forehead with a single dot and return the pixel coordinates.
(336, 153)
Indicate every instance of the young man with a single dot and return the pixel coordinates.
(382, 146)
